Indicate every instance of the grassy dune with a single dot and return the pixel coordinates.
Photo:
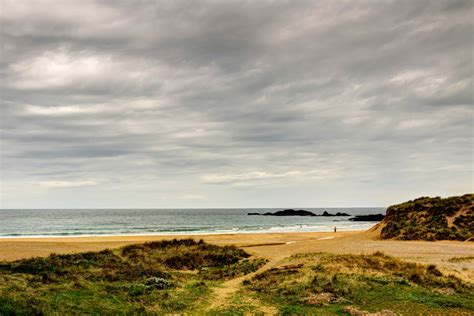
(339, 284)
(431, 219)
(159, 277)
(184, 277)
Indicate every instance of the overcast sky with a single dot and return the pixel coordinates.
(234, 103)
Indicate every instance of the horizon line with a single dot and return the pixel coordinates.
(183, 208)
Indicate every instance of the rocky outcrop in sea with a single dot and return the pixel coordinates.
(292, 212)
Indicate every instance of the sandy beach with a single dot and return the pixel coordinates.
(275, 246)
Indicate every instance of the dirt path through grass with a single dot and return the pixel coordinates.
(223, 294)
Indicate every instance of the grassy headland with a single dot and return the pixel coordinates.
(430, 219)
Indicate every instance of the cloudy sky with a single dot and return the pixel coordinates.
(235, 103)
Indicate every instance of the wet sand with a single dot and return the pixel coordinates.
(269, 245)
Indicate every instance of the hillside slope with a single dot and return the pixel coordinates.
(430, 219)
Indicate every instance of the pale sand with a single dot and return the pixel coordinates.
(273, 246)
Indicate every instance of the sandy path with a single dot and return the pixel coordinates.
(223, 294)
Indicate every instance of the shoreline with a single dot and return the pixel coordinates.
(194, 233)
(304, 228)
(162, 236)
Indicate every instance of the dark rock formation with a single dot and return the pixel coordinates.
(367, 218)
(325, 213)
(292, 212)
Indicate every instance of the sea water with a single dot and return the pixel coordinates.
(92, 222)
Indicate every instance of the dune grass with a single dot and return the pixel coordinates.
(461, 259)
(174, 276)
(428, 219)
(180, 277)
(326, 283)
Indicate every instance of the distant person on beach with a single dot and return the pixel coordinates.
(335, 229)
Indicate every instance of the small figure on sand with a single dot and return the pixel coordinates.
(335, 229)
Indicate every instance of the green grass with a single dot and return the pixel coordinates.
(180, 276)
(115, 281)
(330, 283)
(234, 270)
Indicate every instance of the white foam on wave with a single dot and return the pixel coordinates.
(207, 231)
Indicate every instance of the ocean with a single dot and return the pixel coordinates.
(103, 222)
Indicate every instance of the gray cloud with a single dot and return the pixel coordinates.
(234, 103)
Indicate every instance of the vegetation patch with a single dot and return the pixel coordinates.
(157, 277)
(231, 271)
(326, 283)
(461, 259)
(431, 219)
(180, 277)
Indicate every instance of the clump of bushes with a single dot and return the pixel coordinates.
(130, 263)
(158, 283)
(184, 254)
(153, 283)
(427, 219)
(62, 264)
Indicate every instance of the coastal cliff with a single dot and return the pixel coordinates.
(428, 218)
